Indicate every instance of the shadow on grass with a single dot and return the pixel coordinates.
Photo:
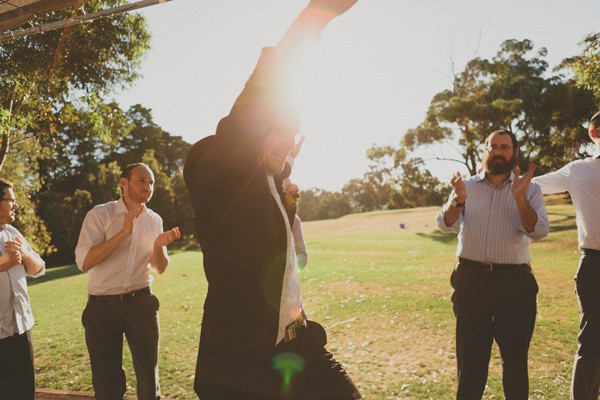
(55, 273)
(438, 236)
(566, 223)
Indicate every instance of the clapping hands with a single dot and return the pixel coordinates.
(520, 183)
(168, 237)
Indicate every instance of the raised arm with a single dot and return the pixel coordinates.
(308, 26)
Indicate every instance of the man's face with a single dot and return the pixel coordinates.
(499, 157)
(8, 207)
(276, 149)
(140, 185)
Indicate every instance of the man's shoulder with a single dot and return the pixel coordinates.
(153, 214)
(108, 208)
(12, 230)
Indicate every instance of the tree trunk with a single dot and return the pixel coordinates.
(4, 149)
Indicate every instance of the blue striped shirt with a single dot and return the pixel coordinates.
(490, 228)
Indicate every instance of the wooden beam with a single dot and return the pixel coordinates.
(77, 20)
(14, 13)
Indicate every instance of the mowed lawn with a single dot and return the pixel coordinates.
(382, 292)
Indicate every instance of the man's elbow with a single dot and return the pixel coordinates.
(161, 267)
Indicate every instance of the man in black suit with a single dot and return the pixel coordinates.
(256, 342)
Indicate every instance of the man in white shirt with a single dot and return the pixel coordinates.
(120, 243)
(581, 178)
(17, 259)
(496, 213)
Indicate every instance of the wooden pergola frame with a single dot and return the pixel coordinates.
(14, 13)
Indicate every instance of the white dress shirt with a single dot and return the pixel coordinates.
(581, 179)
(299, 244)
(15, 310)
(128, 267)
(291, 299)
(490, 227)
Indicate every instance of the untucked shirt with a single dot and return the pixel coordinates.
(291, 298)
(128, 267)
(15, 309)
(581, 179)
(490, 227)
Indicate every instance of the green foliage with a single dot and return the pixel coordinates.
(21, 169)
(586, 66)
(316, 204)
(511, 91)
(54, 84)
(391, 181)
(85, 163)
(394, 181)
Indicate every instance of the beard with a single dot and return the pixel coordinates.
(499, 165)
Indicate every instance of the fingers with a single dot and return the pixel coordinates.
(530, 171)
(298, 146)
(174, 233)
(455, 179)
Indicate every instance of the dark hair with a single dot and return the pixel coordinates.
(595, 120)
(504, 132)
(126, 173)
(4, 184)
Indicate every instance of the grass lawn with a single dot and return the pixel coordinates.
(382, 293)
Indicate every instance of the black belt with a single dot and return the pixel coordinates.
(121, 297)
(489, 267)
(293, 329)
(590, 252)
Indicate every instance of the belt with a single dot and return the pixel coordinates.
(490, 267)
(293, 329)
(590, 252)
(121, 297)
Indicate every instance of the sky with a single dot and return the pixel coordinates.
(371, 78)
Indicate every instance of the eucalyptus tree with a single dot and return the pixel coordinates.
(60, 81)
(516, 91)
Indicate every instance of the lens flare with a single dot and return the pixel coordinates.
(288, 364)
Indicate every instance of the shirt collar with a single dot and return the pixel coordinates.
(481, 176)
(121, 208)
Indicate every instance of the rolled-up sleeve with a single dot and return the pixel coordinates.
(441, 224)
(91, 234)
(536, 201)
(38, 258)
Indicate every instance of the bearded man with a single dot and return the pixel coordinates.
(496, 214)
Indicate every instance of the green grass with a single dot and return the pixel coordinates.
(382, 293)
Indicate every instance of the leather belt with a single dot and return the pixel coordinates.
(490, 267)
(590, 252)
(121, 297)
(293, 329)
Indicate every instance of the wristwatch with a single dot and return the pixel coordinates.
(456, 204)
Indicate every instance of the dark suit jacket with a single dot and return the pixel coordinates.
(242, 233)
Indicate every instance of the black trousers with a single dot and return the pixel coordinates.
(493, 305)
(302, 370)
(17, 376)
(586, 369)
(106, 320)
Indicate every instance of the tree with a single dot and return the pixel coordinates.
(51, 82)
(586, 66)
(87, 167)
(510, 91)
(318, 204)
